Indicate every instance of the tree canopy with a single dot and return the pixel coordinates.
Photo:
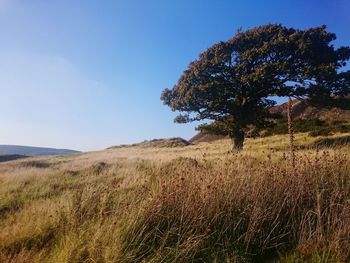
(232, 82)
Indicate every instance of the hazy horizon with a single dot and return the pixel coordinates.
(85, 76)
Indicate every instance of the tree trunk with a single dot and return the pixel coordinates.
(237, 140)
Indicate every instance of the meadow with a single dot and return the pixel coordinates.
(197, 203)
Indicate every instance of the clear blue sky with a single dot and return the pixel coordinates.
(87, 74)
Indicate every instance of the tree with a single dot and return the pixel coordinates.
(232, 82)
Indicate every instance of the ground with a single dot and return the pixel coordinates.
(197, 203)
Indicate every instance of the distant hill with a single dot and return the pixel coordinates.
(202, 137)
(300, 111)
(11, 157)
(303, 111)
(169, 142)
(32, 151)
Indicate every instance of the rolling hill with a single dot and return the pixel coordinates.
(32, 151)
(303, 111)
(160, 143)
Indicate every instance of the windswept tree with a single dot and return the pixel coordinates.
(231, 84)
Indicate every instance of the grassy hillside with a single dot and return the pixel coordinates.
(157, 143)
(197, 203)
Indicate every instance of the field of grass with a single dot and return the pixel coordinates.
(198, 203)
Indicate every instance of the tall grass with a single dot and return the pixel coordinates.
(244, 210)
(215, 207)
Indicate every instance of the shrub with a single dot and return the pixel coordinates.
(320, 132)
(315, 127)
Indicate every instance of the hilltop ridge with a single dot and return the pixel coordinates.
(159, 143)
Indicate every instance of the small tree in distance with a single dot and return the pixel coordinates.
(232, 82)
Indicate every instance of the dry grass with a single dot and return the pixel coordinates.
(196, 203)
(244, 209)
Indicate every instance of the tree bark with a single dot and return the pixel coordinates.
(237, 140)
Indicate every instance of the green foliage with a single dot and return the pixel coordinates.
(315, 127)
(232, 81)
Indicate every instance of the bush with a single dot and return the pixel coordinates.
(320, 132)
(314, 126)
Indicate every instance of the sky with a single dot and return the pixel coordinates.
(86, 75)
